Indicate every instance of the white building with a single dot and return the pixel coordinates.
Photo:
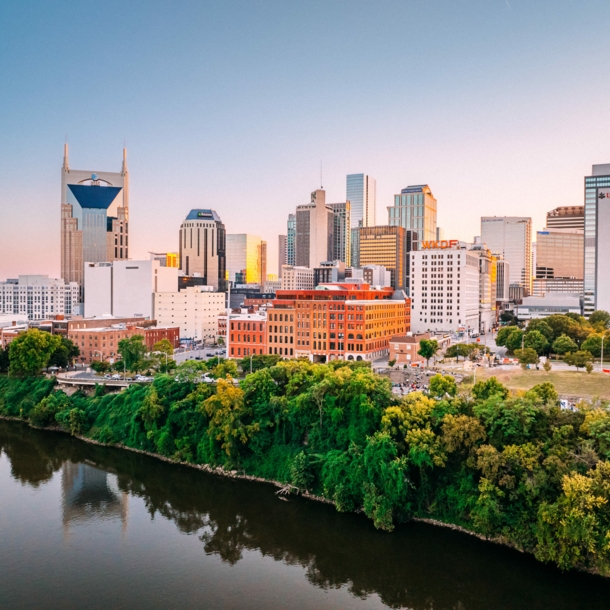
(195, 310)
(377, 275)
(445, 289)
(314, 231)
(533, 308)
(511, 236)
(36, 297)
(124, 289)
(297, 278)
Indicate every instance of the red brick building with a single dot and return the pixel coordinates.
(248, 335)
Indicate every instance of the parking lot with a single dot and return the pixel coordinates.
(199, 353)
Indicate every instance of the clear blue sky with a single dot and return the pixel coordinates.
(501, 106)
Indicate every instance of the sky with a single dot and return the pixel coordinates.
(501, 106)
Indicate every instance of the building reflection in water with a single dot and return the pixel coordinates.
(89, 493)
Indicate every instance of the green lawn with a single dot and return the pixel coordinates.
(565, 382)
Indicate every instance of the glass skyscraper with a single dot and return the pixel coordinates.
(291, 237)
(597, 239)
(361, 192)
(415, 210)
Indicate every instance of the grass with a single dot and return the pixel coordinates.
(570, 383)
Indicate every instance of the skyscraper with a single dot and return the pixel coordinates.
(415, 210)
(246, 259)
(341, 231)
(282, 254)
(314, 231)
(361, 192)
(94, 218)
(511, 236)
(203, 247)
(385, 246)
(291, 238)
(566, 217)
(597, 239)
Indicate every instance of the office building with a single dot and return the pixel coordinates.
(386, 246)
(246, 259)
(542, 287)
(536, 308)
(487, 286)
(194, 310)
(291, 238)
(314, 231)
(355, 246)
(511, 237)
(282, 254)
(342, 233)
(94, 218)
(248, 335)
(126, 288)
(297, 278)
(414, 209)
(560, 254)
(336, 322)
(445, 289)
(36, 297)
(597, 239)
(329, 272)
(566, 217)
(203, 247)
(361, 192)
(502, 280)
(166, 259)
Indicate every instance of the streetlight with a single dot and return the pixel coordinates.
(602, 358)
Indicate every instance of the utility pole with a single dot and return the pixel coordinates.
(602, 358)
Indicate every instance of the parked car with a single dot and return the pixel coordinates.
(117, 377)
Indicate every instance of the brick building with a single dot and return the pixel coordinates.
(248, 335)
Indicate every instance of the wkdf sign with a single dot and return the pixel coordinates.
(441, 244)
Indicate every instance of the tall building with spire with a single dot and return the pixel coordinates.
(94, 218)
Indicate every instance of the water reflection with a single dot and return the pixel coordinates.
(418, 566)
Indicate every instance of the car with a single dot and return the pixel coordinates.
(209, 354)
(117, 377)
(197, 357)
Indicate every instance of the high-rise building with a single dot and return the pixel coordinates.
(342, 233)
(314, 231)
(282, 254)
(36, 297)
(560, 254)
(597, 239)
(415, 210)
(94, 218)
(203, 247)
(385, 245)
(355, 246)
(297, 278)
(291, 238)
(361, 192)
(502, 280)
(566, 217)
(246, 259)
(511, 237)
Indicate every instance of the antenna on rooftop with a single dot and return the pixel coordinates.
(321, 181)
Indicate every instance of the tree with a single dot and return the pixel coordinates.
(483, 390)
(164, 346)
(4, 360)
(600, 316)
(503, 334)
(564, 345)
(537, 341)
(225, 368)
(259, 362)
(427, 349)
(508, 318)
(515, 340)
(440, 385)
(65, 353)
(190, 371)
(527, 356)
(593, 344)
(31, 351)
(564, 325)
(460, 349)
(100, 366)
(589, 367)
(578, 359)
(547, 366)
(132, 351)
(220, 341)
(540, 326)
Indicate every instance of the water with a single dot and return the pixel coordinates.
(91, 527)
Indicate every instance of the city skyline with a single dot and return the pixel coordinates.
(484, 146)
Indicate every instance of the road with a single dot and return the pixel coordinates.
(198, 354)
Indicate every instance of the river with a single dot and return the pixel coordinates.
(83, 526)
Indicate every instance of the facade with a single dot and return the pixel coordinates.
(94, 218)
(272, 285)
(166, 259)
(101, 343)
(291, 238)
(248, 335)
(355, 247)
(342, 233)
(543, 286)
(386, 246)
(534, 308)
(337, 322)
(361, 192)
(560, 254)
(126, 288)
(404, 348)
(597, 239)
(194, 310)
(329, 272)
(36, 297)
(154, 334)
(445, 289)
(282, 253)
(566, 217)
(297, 278)
(376, 275)
(246, 259)
(314, 231)
(203, 247)
(511, 236)
(414, 209)
(502, 280)
(488, 274)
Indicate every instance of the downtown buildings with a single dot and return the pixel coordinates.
(246, 259)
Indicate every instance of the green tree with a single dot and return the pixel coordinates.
(564, 345)
(190, 371)
(100, 366)
(578, 359)
(460, 349)
(31, 351)
(508, 318)
(593, 344)
(515, 340)
(483, 390)
(547, 366)
(259, 362)
(600, 316)
(503, 335)
(527, 356)
(427, 349)
(132, 351)
(589, 367)
(391, 363)
(225, 368)
(564, 325)
(164, 346)
(540, 326)
(4, 360)
(440, 385)
(535, 340)
(65, 354)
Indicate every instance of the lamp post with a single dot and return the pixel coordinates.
(602, 358)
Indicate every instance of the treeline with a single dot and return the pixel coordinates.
(514, 467)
